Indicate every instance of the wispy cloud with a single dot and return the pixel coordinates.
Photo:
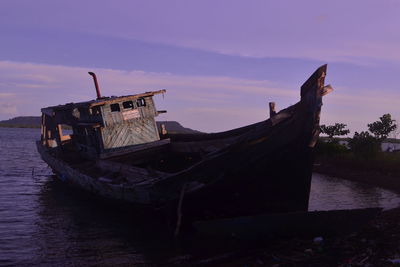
(358, 109)
(356, 30)
(208, 103)
(8, 103)
(227, 117)
(188, 97)
(6, 95)
(7, 108)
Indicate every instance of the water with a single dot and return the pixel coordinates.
(329, 193)
(44, 223)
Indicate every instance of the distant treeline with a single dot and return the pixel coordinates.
(347, 139)
(22, 122)
(5, 125)
(35, 121)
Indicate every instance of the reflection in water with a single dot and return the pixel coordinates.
(77, 226)
(44, 223)
(329, 193)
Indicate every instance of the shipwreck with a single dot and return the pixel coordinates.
(117, 151)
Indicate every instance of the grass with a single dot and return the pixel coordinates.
(380, 169)
(383, 163)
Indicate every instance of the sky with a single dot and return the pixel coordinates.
(221, 61)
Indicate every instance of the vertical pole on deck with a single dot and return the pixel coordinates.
(163, 129)
(43, 130)
(272, 111)
(96, 84)
(179, 211)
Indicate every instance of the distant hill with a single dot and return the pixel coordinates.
(175, 127)
(22, 122)
(34, 122)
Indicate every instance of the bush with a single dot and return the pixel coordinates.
(330, 148)
(364, 145)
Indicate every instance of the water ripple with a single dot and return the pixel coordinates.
(44, 223)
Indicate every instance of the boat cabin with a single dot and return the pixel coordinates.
(101, 125)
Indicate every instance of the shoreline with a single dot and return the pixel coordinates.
(376, 243)
(373, 178)
(19, 126)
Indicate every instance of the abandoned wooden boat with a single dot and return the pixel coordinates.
(116, 151)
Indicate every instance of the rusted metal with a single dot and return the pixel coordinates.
(96, 84)
(132, 149)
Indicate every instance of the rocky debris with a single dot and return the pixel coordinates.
(376, 244)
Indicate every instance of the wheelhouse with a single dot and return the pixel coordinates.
(103, 124)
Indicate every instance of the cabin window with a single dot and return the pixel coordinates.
(128, 105)
(76, 113)
(95, 110)
(141, 102)
(115, 107)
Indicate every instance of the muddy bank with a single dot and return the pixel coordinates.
(346, 170)
(376, 244)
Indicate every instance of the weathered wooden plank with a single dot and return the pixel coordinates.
(136, 194)
(89, 124)
(134, 174)
(201, 146)
(132, 149)
(121, 136)
(130, 132)
(48, 111)
(126, 98)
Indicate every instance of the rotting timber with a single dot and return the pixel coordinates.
(116, 151)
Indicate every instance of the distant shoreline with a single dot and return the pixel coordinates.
(35, 122)
(374, 178)
(19, 126)
(322, 165)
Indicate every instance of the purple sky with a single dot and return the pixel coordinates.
(220, 61)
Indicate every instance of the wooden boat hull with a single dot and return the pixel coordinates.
(75, 177)
(261, 168)
(241, 188)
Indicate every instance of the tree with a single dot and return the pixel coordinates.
(364, 145)
(334, 130)
(382, 128)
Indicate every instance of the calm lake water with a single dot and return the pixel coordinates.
(43, 223)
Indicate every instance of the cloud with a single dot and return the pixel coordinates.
(39, 85)
(336, 30)
(357, 32)
(6, 95)
(358, 109)
(7, 108)
(7, 104)
(207, 103)
(123, 81)
(227, 117)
